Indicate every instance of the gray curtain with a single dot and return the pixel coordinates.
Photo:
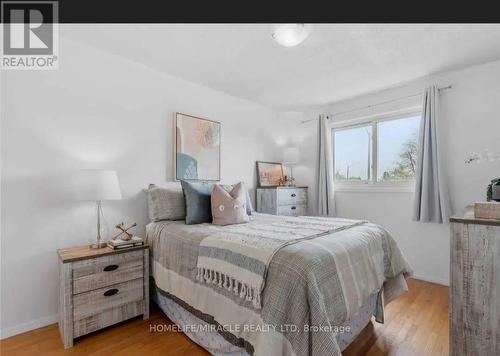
(324, 177)
(431, 201)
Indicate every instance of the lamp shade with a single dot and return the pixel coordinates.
(97, 184)
(291, 155)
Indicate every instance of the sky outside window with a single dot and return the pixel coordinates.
(397, 148)
(353, 153)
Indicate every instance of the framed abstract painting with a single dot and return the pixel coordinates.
(197, 148)
(269, 174)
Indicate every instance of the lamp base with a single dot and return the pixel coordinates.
(99, 245)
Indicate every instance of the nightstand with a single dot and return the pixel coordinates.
(101, 287)
(290, 201)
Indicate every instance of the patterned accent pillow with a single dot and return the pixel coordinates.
(249, 205)
(229, 208)
(166, 202)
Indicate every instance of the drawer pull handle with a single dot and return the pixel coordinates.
(110, 292)
(294, 195)
(293, 207)
(110, 268)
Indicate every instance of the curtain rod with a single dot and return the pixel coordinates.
(382, 103)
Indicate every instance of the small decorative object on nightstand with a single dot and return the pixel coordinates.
(282, 200)
(124, 234)
(101, 287)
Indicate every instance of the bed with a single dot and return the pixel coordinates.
(319, 292)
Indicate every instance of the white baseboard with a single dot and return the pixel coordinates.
(30, 325)
(441, 281)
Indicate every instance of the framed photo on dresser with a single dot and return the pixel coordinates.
(269, 174)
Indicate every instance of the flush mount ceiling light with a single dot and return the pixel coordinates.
(290, 35)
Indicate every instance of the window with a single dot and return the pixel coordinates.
(353, 152)
(382, 150)
(397, 148)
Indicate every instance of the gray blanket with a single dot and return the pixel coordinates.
(237, 257)
(312, 286)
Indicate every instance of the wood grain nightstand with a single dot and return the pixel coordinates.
(101, 287)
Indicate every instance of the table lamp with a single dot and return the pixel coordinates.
(291, 159)
(98, 185)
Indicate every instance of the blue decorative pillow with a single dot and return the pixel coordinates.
(198, 202)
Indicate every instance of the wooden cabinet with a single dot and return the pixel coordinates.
(475, 286)
(282, 201)
(102, 287)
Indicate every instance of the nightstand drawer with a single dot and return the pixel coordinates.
(107, 318)
(292, 210)
(97, 265)
(108, 274)
(94, 302)
(290, 196)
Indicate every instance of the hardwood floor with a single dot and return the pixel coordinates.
(416, 324)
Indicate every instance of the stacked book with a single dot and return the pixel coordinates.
(119, 243)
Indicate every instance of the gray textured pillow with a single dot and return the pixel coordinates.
(166, 202)
(198, 202)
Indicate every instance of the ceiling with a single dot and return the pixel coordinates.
(334, 63)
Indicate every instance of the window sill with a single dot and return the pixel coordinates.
(375, 188)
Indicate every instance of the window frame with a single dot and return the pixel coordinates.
(373, 184)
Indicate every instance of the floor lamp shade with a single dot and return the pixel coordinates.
(94, 184)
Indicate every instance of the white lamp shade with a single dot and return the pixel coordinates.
(96, 184)
(291, 155)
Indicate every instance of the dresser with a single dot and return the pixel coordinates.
(474, 286)
(290, 201)
(101, 287)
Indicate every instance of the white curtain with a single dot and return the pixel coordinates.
(324, 177)
(431, 201)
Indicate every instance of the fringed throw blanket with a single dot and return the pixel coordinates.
(237, 257)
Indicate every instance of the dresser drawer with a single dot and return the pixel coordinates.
(107, 274)
(94, 302)
(97, 265)
(292, 210)
(292, 196)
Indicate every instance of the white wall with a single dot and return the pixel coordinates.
(97, 111)
(469, 122)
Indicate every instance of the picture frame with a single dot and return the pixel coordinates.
(197, 148)
(269, 174)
